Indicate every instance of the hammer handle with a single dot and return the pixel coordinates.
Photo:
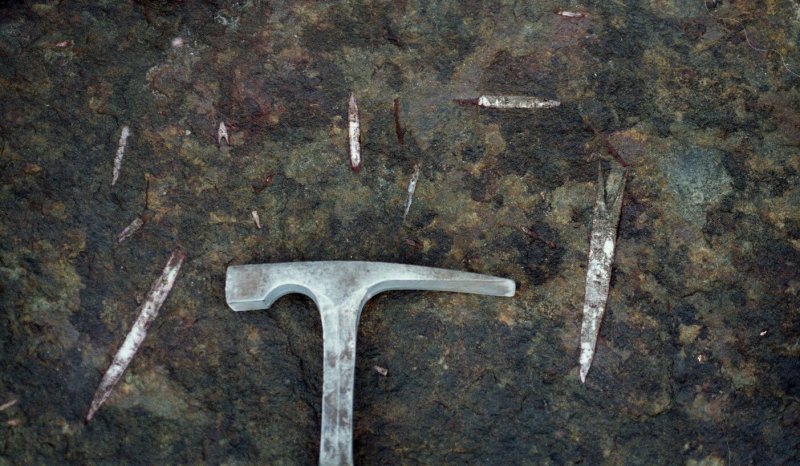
(339, 329)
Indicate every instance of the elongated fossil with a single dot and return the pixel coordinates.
(129, 230)
(158, 294)
(354, 133)
(123, 142)
(510, 101)
(412, 187)
(605, 222)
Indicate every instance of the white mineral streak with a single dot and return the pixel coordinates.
(130, 229)
(515, 101)
(222, 134)
(123, 141)
(412, 186)
(601, 255)
(256, 219)
(158, 294)
(354, 133)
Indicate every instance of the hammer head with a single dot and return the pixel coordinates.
(251, 287)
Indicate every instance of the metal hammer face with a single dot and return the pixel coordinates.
(340, 290)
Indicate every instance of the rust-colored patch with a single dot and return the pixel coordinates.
(251, 103)
(629, 143)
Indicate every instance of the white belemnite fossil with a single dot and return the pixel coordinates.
(515, 101)
(222, 134)
(129, 230)
(572, 14)
(123, 141)
(605, 222)
(354, 134)
(158, 294)
(412, 187)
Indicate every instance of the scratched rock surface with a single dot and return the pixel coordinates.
(697, 360)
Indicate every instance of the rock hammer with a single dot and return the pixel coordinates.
(340, 289)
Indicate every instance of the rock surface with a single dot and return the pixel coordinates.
(697, 359)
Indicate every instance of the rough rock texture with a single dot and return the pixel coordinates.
(697, 360)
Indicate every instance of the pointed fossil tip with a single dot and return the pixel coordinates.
(90, 414)
(177, 257)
